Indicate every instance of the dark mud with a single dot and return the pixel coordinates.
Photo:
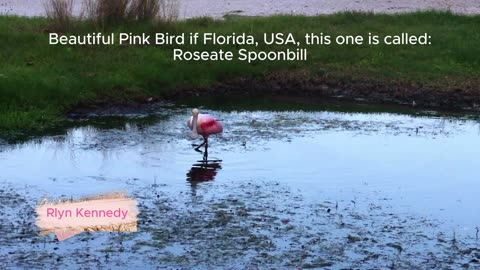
(449, 96)
(263, 225)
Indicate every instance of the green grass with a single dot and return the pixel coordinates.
(39, 82)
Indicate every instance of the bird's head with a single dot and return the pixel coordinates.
(195, 111)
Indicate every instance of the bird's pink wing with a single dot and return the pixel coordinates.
(209, 125)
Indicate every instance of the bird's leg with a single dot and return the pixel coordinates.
(202, 144)
(198, 147)
(205, 155)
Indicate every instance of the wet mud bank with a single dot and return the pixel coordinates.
(200, 230)
(450, 96)
(463, 96)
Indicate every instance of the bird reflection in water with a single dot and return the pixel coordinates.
(204, 170)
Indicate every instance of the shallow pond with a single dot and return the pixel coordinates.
(310, 185)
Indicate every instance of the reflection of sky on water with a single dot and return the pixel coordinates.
(426, 165)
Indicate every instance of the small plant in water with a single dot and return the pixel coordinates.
(454, 238)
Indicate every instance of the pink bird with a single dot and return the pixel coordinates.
(204, 125)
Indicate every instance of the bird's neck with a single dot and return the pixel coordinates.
(194, 126)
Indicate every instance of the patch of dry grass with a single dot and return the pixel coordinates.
(169, 10)
(60, 13)
(106, 11)
(118, 11)
(144, 10)
(111, 12)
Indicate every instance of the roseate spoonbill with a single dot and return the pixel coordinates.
(204, 125)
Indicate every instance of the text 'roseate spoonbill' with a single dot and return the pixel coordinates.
(204, 125)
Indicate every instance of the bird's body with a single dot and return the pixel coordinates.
(204, 125)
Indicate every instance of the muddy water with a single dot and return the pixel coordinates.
(310, 187)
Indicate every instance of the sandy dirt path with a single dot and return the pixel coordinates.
(218, 8)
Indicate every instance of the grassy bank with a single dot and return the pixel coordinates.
(39, 82)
